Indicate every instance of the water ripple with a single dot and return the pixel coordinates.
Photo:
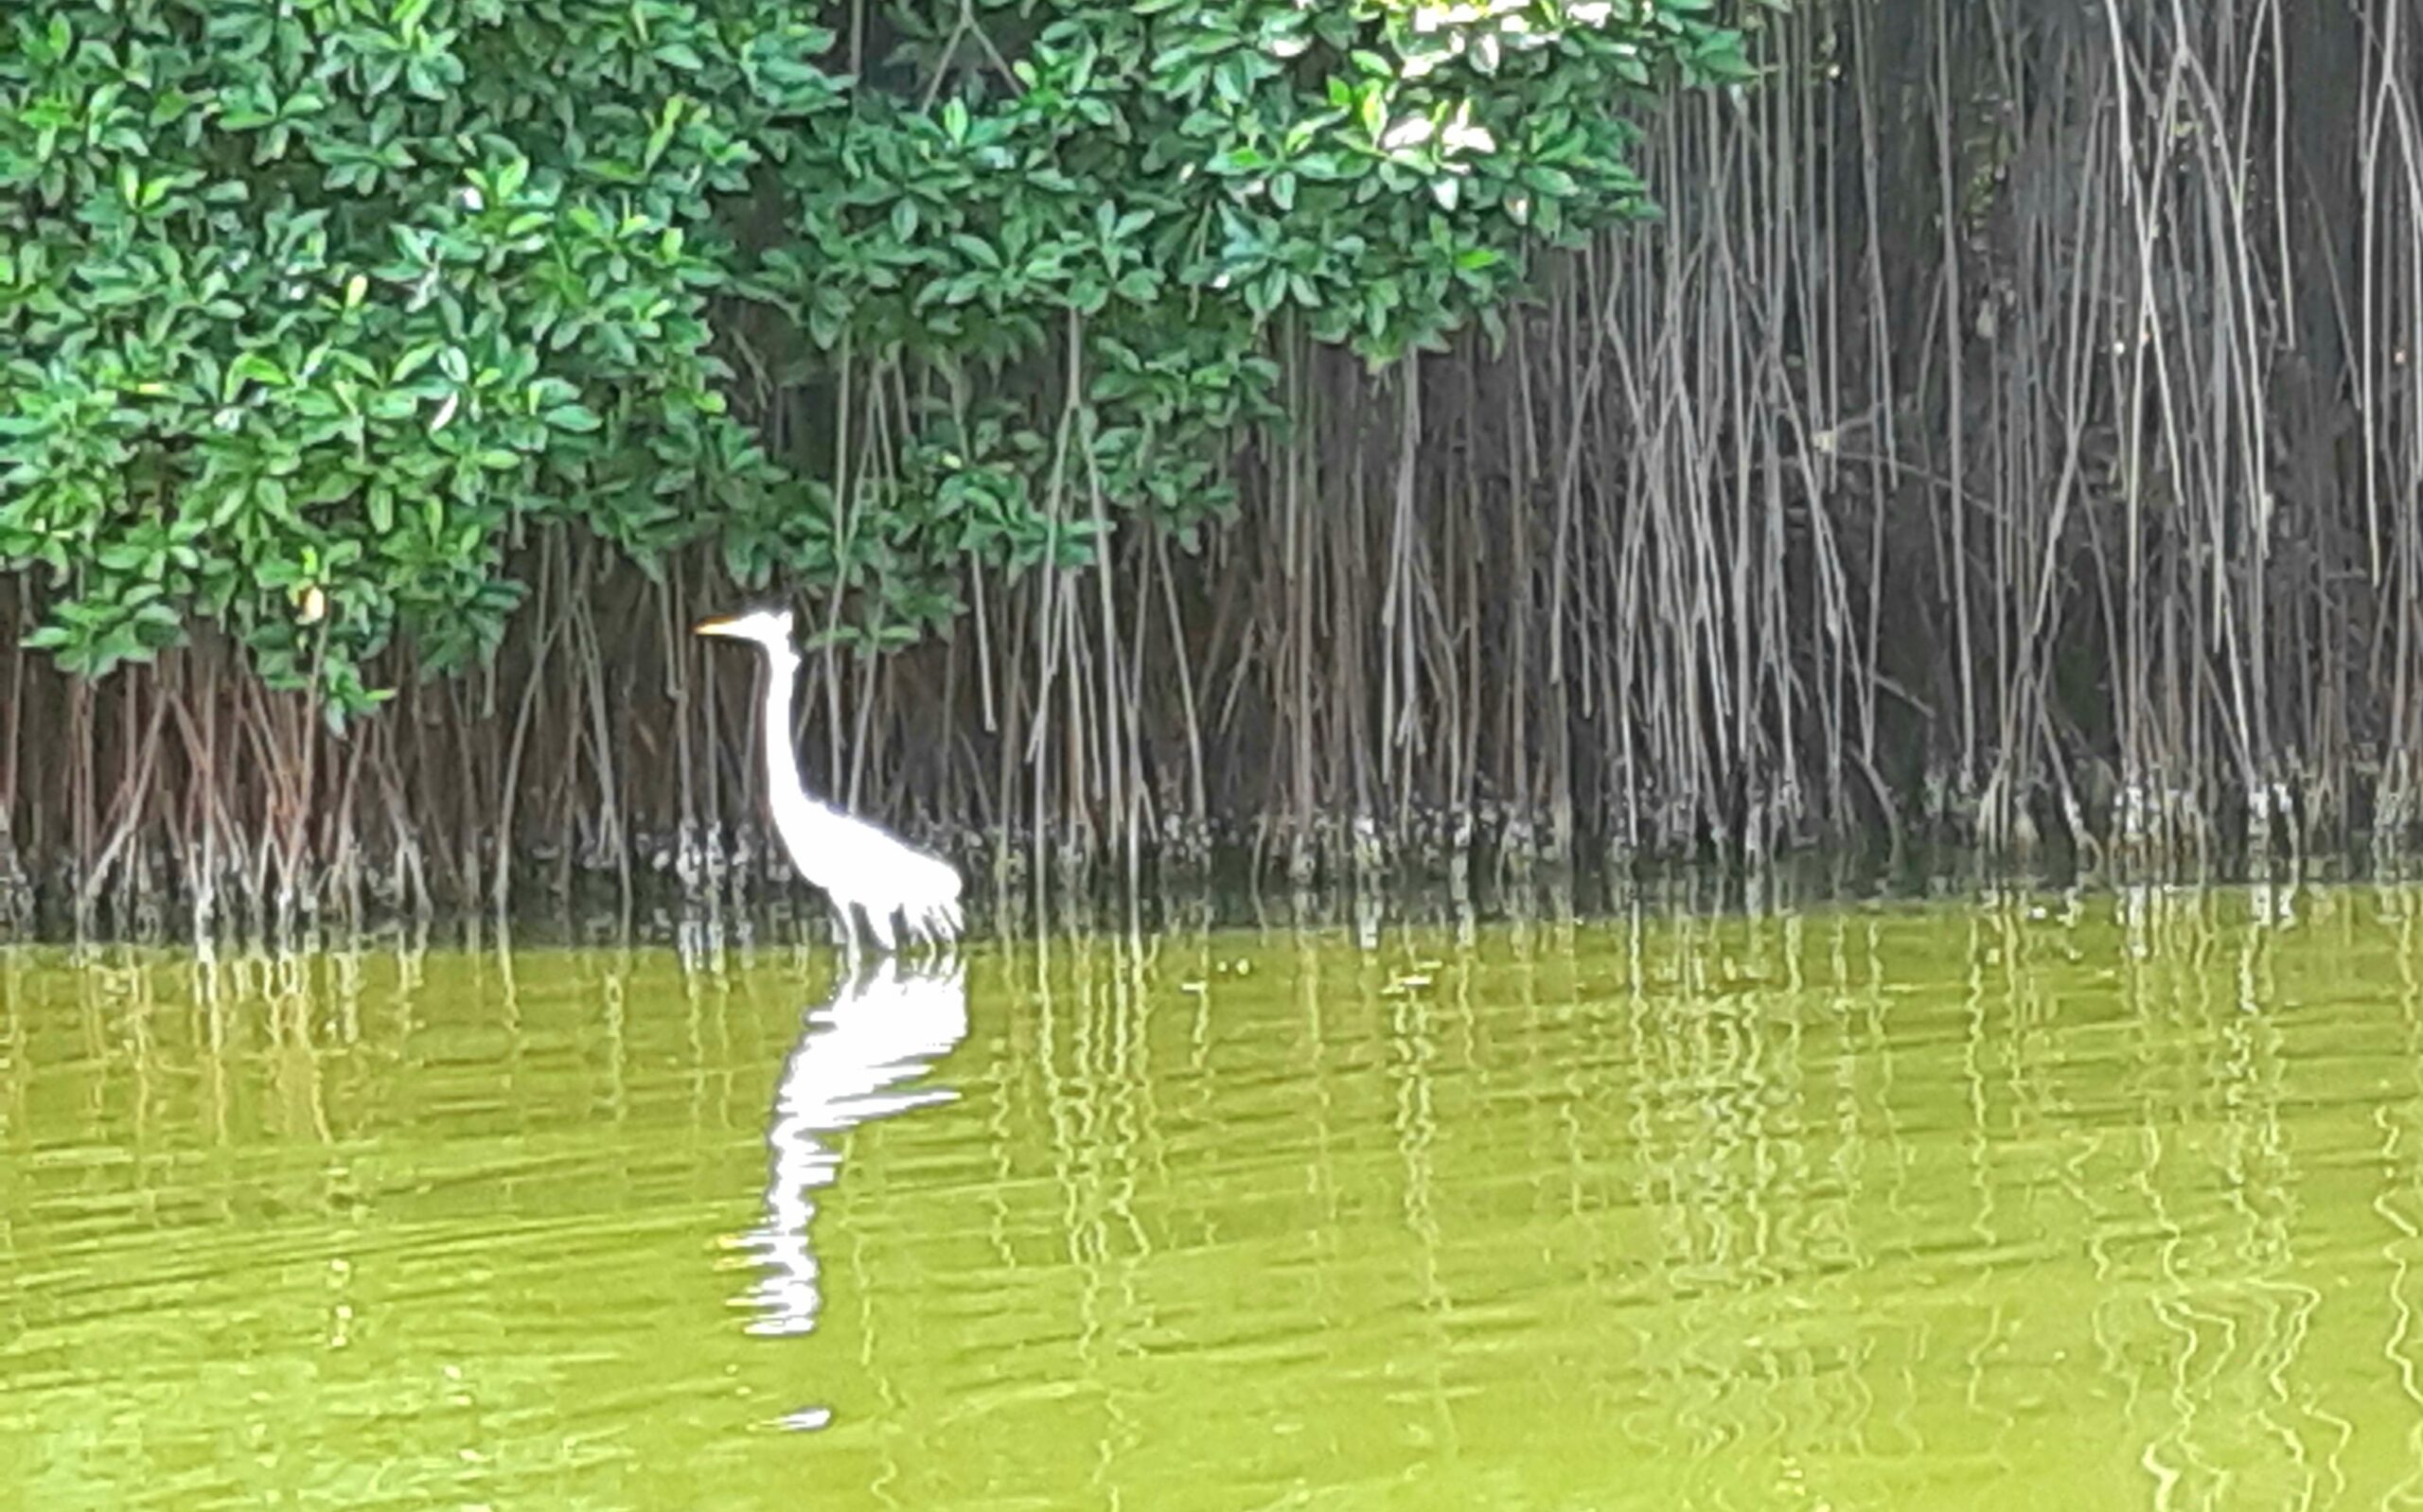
(2111, 1200)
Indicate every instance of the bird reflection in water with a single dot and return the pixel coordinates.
(886, 1026)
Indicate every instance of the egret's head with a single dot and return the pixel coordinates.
(769, 627)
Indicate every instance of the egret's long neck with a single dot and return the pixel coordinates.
(781, 761)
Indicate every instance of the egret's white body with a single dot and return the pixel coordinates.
(859, 866)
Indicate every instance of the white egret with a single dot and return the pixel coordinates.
(860, 867)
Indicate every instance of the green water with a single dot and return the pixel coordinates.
(2109, 1200)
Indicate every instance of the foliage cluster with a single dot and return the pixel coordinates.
(311, 308)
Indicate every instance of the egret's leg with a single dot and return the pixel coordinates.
(845, 935)
(878, 925)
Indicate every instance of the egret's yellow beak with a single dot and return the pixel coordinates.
(720, 624)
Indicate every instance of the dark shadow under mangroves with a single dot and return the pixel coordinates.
(860, 1056)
